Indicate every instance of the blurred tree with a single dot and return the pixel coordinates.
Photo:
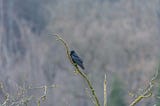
(116, 97)
(34, 12)
(158, 99)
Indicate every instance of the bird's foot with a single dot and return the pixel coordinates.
(75, 71)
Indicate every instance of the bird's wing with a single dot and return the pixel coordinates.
(77, 58)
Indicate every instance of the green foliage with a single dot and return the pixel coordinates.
(158, 89)
(116, 97)
(158, 97)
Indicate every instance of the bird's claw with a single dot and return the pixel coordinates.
(76, 71)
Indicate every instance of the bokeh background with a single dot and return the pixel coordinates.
(120, 38)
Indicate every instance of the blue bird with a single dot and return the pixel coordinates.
(76, 59)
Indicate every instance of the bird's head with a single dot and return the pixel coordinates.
(72, 52)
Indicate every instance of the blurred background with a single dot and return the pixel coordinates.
(120, 38)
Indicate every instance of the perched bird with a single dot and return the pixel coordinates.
(76, 59)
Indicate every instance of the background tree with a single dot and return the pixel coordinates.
(117, 94)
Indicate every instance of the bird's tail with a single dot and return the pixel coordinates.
(82, 67)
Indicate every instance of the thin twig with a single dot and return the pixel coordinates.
(105, 90)
(149, 89)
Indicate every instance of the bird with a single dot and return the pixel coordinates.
(76, 59)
